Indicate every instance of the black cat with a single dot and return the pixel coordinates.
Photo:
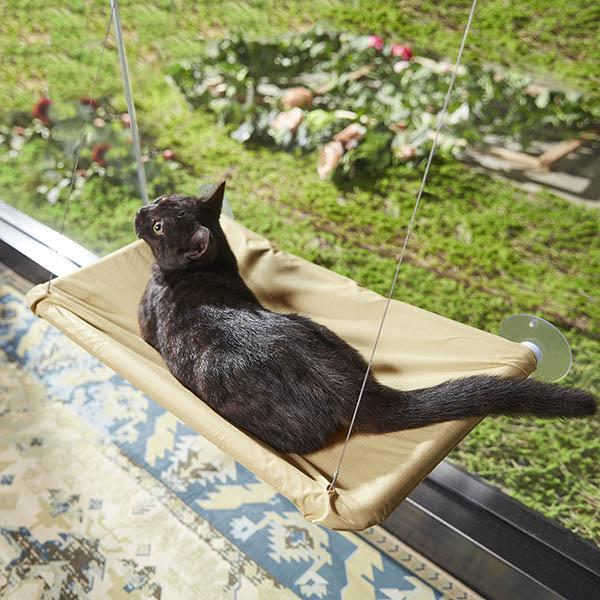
(282, 377)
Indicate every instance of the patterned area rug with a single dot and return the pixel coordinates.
(104, 494)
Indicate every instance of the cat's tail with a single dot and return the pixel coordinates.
(477, 396)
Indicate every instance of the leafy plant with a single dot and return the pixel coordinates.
(52, 136)
(299, 91)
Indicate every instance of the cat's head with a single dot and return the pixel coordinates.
(183, 231)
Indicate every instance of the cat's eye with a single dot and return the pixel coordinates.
(157, 227)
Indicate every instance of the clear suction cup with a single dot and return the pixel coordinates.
(549, 345)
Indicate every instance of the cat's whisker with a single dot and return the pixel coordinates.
(138, 257)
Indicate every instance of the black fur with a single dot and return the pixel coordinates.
(287, 380)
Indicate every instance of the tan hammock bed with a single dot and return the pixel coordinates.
(96, 307)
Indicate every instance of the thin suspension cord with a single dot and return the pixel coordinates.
(135, 134)
(77, 154)
(440, 123)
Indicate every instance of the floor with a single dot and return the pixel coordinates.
(104, 494)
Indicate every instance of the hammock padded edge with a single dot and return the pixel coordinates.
(97, 308)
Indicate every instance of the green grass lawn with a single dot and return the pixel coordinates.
(482, 249)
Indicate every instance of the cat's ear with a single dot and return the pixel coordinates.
(198, 243)
(214, 200)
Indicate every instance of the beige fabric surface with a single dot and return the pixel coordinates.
(97, 308)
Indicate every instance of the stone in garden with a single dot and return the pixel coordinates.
(345, 114)
(351, 135)
(400, 66)
(329, 159)
(288, 120)
(300, 97)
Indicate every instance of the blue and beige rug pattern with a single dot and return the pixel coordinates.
(104, 494)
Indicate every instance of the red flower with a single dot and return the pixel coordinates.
(40, 111)
(168, 154)
(404, 52)
(375, 42)
(91, 102)
(98, 153)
